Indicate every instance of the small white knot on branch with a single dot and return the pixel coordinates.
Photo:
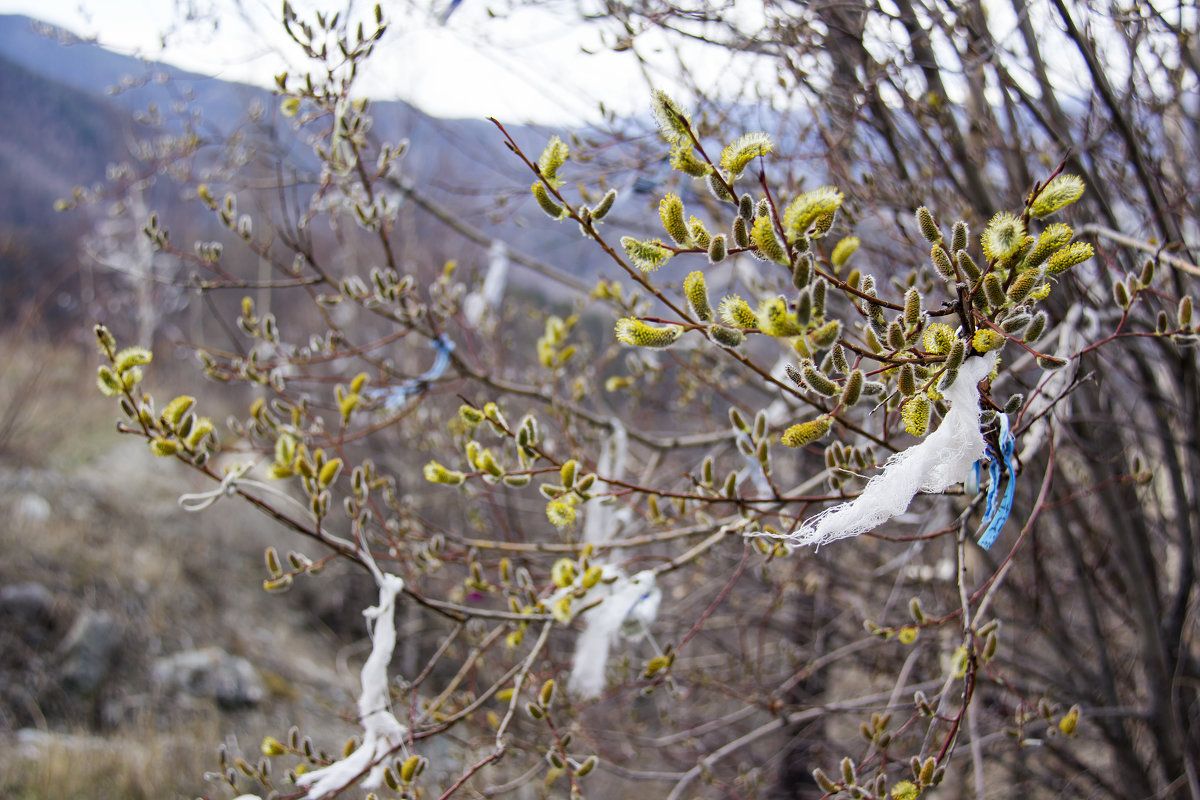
(198, 501)
(933, 465)
(382, 732)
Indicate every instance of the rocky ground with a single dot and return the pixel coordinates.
(135, 637)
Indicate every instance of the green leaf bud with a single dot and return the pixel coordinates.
(700, 235)
(802, 272)
(837, 357)
(1070, 721)
(329, 472)
(587, 766)
(1069, 256)
(553, 157)
(967, 265)
(852, 391)
(827, 786)
(1003, 237)
(842, 251)
(202, 427)
(568, 471)
(605, 205)
(804, 307)
(470, 415)
(670, 211)
(716, 249)
(929, 226)
(806, 433)
(1015, 323)
(746, 207)
(1147, 275)
(1121, 294)
(163, 447)
(436, 473)
(108, 382)
(1023, 285)
(775, 320)
(1059, 192)
(104, 339)
(941, 262)
(1037, 326)
(741, 232)
(560, 513)
(641, 334)
(743, 150)
(683, 158)
(906, 381)
(1053, 238)
(546, 695)
(938, 338)
(131, 357)
(915, 414)
(766, 242)
(546, 202)
(912, 307)
(818, 381)
(827, 334)
(696, 291)
(1050, 364)
(1184, 312)
(718, 189)
(726, 337)
(985, 340)
(815, 207)
(819, 288)
(736, 312)
(958, 240)
(958, 351)
(848, 771)
(994, 290)
(673, 121)
(647, 256)
(873, 343)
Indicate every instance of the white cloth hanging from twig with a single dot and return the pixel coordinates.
(382, 732)
(935, 464)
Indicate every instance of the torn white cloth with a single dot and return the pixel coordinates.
(382, 732)
(941, 460)
(600, 521)
(628, 610)
(477, 306)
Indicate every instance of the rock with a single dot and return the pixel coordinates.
(27, 609)
(33, 507)
(211, 672)
(88, 651)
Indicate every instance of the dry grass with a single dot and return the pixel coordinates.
(134, 765)
(114, 539)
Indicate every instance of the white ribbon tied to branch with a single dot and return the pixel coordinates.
(933, 465)
(628, 610)
(382, 732)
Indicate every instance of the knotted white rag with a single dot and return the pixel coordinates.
(933, 465)
(628, 610)
(382, 732)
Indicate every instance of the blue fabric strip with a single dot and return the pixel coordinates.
(999, 511)
(395, 397)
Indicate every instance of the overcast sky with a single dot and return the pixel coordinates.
(529, 66)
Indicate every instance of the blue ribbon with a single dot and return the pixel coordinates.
(998, 509)
(394, 397)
